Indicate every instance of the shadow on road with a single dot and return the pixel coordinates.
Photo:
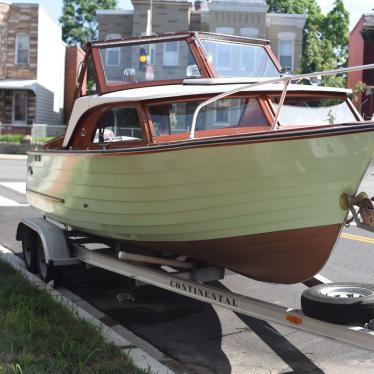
(178, 326)
(291, 355)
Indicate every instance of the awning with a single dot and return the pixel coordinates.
(15, 84)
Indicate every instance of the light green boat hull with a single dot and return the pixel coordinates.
(210, 194)
(204, 193)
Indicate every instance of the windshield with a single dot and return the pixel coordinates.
(135, 63)
(312, 111)
(239, 60)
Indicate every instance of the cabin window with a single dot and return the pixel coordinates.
(312, 111)
(136, 63)
(239, 59)
(176, 118)
(118, 125)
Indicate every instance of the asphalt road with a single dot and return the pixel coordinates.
(206, 339)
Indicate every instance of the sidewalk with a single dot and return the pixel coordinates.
(12, 157)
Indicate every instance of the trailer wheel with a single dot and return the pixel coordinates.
(341, 303)
(45, 270)
(29, 249)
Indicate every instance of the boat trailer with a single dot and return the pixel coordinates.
(49, 245)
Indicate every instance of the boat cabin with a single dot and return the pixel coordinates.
(147, 91)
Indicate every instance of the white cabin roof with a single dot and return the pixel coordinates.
(198, 87)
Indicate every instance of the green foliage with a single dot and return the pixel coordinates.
(39, 335)
(10, 138)
(325, 41)
(78, 20)
(357, 89)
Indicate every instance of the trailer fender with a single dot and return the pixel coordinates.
(53, 238)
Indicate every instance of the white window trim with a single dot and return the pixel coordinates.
(16, 49)
(177, 53)
(287, 37)
(14, 104)
(111, 37)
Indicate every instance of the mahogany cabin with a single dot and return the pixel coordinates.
(148, 88)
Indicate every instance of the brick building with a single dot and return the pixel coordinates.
(32, 66)
(236, 17)
(361, 51)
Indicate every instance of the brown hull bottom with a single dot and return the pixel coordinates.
(289, 256)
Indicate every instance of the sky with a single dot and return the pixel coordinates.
(355, 7)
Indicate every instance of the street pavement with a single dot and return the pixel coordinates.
(207, 339)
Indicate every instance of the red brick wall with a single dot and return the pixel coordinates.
(4, 8)
(74, 56)
(356, 53)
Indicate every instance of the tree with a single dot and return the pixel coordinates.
(325, 39)
(78, 19)
(336, 30)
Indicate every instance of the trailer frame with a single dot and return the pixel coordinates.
(190, 284)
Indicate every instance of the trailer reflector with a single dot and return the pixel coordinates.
(294, 319)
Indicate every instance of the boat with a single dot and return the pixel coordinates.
(197, 145)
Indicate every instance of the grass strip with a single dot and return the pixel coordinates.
(14, 138)
(39, 335)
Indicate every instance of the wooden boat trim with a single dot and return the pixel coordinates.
(89, 119)
(192, 39)
(259, 137)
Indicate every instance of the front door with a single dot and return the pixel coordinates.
(19, 109)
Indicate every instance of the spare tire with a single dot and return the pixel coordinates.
(341, 303)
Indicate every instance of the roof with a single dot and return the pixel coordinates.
(369, 20)
(14, 84)
(160, 92)
(111, 12)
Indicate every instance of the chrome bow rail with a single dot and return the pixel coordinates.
(286, 79)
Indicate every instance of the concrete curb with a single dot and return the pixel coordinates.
(12, 157)
(87, 312)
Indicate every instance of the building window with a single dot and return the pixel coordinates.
(22, 48)
(286, 53)
(112, 57)
(225, 30)
(223, 56)
(249, 32)
(171, 54)
(286, 48)
(19, 107)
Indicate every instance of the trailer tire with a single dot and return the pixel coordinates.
(29, 249)
(341, 303)
(45, 269)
